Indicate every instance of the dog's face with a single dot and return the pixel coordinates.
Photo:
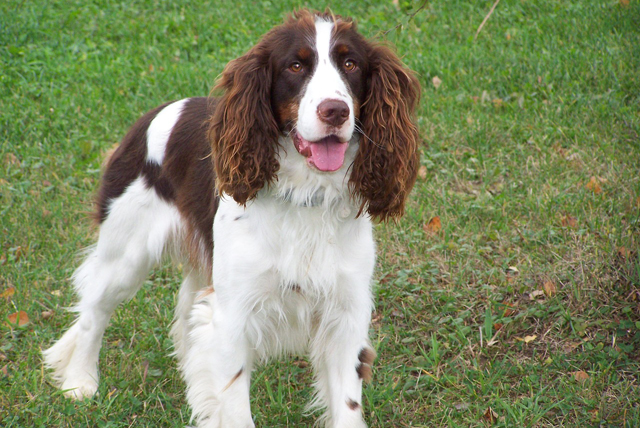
(318, 87)
(317, 81)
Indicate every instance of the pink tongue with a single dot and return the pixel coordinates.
(328, 154)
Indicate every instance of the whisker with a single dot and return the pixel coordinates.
(359, 129)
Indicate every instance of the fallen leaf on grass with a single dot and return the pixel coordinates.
(301, 363)
(509, 310)
(512, 273)
(624, 3)
(422, 172)
(11, 159)
(549, 288)
(490, 416)
(624, 252)
(436, 82)
(569, 221)
(19, 318)
(594, 185)
(527, 339)
(46, 315)
(433, 226)
(19, 253)
(580, 376)
(6, 294)
(535, 294)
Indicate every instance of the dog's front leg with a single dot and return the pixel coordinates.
(342, 358)
(217, 366)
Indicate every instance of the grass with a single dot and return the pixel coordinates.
(531, 162)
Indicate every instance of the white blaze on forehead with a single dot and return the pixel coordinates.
(160, 129)
(326, 83)
(323, 41)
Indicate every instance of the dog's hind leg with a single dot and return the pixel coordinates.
(194, 281)
(133, 237)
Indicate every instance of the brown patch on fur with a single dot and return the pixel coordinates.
(305, 53)
(233, 379)
(367, 355)
(386, 165)
(342, 49)
(288, 112)
(364, 370)
(353, 405)
(125, 164)
(187, 177)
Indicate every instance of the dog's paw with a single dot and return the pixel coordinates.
(80, 388)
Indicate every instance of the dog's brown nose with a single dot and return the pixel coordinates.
(333, 112)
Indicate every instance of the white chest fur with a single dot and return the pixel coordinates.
(290, 265)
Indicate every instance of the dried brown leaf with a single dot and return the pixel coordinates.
(11, 159)
(490, 416)
(535, 294)
(19, 318)
(569, 221)
(510, 310)
(549, 288)
(301, 363)
(623, 252)
(594, 185)
(422, 172)
(6, 294)
(433, 226)
(580, 376)
(436, 82)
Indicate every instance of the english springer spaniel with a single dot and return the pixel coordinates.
(266, 194)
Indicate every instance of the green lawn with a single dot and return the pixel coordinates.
(520, 308)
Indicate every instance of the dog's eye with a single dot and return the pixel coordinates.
(349, 65)
(296, 67)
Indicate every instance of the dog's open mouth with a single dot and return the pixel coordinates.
(326, 154)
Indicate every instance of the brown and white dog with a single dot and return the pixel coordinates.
(311, 138)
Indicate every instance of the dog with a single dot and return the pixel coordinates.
(266, 195)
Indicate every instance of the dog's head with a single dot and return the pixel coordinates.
(318, 81)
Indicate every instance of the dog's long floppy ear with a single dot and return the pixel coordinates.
(243, 131)
(387, 161)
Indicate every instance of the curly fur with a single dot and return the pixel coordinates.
(386, 166)
(243, 131)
